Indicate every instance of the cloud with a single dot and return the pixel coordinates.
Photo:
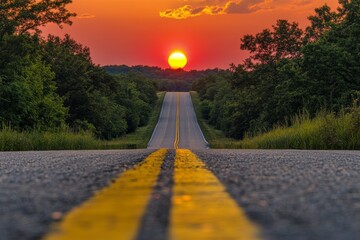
(188, 11)
(229, 7)
(196, 8)
(85, 16)
(245, 6)
(181, 12)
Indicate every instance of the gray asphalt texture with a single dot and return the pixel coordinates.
(293, 195)
(33, 185)
(191, 136)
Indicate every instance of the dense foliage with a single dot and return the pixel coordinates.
(290, 70)
(52, 83)
(21, 16)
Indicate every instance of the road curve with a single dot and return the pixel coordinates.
(177, 113)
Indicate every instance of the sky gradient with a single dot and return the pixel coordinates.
(145, 32)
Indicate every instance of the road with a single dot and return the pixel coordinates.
(178, 193)
(178, 112)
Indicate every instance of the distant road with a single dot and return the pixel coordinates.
(177, 113)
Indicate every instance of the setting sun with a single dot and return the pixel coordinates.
(177, 60)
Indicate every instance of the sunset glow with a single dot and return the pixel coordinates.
(142, 32)
(177, 60)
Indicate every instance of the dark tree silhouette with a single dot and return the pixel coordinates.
(21, 16)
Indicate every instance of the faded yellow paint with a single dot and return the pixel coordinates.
(115, 212)
(177, 127)
(201, 207)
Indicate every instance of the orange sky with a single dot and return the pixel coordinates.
(132, 32)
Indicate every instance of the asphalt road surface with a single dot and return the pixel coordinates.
(293, 194)
(278, 194)
(35, 185)
(190, 135)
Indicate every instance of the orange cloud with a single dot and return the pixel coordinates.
(188, 11)
(229, 7)
(219, 7)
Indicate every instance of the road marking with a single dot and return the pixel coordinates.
(177, 130)
(201, 207)
(116, 211)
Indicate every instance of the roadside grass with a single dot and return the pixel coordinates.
(325, 131)
(12, 140)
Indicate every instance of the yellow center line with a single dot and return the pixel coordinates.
(116, 211)
(201, 207)
(177, 130)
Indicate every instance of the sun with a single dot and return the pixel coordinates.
(177, 60)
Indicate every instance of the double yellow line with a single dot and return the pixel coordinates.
(201, 207)
(115, 212)
(177, 128)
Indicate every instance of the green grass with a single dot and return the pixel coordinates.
(12, 140)
(325, 131)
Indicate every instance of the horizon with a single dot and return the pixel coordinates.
(165, 68)
(149, 32)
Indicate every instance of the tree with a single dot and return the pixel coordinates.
(288, 73)
(72, 66)
(284, 41)
(28, 96)
(21, 16)
(333, 60)
(322, 21)
(111, 105)
(107, 116)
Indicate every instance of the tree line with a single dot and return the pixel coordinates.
(290, 70)
(169, 80)
(51, 83)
